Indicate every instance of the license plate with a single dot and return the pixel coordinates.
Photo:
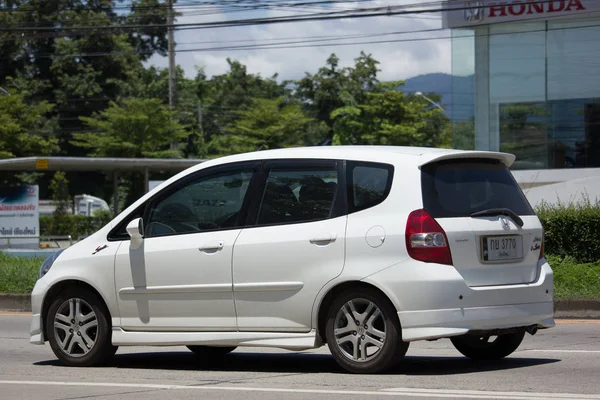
(502, 248)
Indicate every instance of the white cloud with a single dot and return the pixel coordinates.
(398, 60)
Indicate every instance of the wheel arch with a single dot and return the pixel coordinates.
(333, 292)
(64, 285)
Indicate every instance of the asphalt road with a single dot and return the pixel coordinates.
(561, 363)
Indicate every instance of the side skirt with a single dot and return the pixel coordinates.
(288, 341)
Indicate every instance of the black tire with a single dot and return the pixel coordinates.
(478, 348)
(211, 351)
(102, 348)
(393, 349)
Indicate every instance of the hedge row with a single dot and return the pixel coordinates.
(77, 226)
(572, 230)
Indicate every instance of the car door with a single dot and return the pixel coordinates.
(293, 245)
(179, 278)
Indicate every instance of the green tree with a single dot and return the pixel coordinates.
(59, 188)
(267, 124)
(134, 128)
(222, 97)
(78, 71)
(25, 129)
(389, 117)
(333, 87)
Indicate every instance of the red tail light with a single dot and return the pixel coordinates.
(426, 240)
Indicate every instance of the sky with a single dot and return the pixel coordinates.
(400, 60)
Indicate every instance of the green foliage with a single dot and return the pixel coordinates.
(267, 124)
(573, 280)
(333, 87)
(18, 274)
(224, 97)
(389, 117)
(25, 129)
(463, 135)
(571, 230)
(67, 70)
(59, 186)
(78, 226)
(136, 128)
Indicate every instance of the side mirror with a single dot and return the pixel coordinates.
(135, 228)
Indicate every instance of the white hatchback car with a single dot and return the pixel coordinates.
(365, 248)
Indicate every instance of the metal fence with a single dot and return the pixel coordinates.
(54, 239)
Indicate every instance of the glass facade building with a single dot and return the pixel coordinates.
(526, 80)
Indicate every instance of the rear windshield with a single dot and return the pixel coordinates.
(458, 188)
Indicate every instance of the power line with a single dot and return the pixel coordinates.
(333, 15)
(316, 42)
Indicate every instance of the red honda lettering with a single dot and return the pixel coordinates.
(553, 7)
(519, 6)
(536, 8)
(499, 8)
(575, 3)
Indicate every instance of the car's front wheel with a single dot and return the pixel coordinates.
(488, 347)
(363, 332)
(78, 329)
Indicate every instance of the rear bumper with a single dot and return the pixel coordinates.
(435, 324)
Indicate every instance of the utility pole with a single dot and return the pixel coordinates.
(172, 72)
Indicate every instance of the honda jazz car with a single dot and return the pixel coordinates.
(361, 248)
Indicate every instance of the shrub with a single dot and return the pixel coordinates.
(78, 226)
(571, 230)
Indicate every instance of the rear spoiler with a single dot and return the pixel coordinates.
(429, 158)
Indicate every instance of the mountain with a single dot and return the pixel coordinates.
(460, 106)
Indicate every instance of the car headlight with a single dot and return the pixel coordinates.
(47, 264)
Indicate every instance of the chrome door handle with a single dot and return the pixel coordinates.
(326, 238)
(212, 246)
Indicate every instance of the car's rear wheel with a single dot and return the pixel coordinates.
(488, 347)
(363, 332)
(78, 329)
(211, 351)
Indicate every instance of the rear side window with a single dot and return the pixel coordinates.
(459, 188)
(298, 195)
(368, 184)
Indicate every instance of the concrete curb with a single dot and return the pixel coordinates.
(15, 302)
(564, 309)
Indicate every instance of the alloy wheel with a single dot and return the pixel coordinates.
(359, 330)
(75, 327)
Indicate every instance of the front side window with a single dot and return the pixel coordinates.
(209, 203)
(298, 195)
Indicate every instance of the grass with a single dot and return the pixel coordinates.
(575, 281)
(572, 280)
(18, 274)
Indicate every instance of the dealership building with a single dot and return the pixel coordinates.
(526, 80)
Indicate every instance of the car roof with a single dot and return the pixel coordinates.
(420, 155)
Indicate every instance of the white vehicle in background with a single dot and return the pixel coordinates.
(363, 248)
(86, 205)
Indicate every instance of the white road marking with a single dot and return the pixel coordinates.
(398, 392)
(490, 394)
(560, 351)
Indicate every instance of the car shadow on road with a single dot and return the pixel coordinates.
(247, 361)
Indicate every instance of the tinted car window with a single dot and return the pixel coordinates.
(460, 188)
(370, 185)
(209, 203)
(296, 195)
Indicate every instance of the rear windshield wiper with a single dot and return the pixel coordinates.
(499, 211)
